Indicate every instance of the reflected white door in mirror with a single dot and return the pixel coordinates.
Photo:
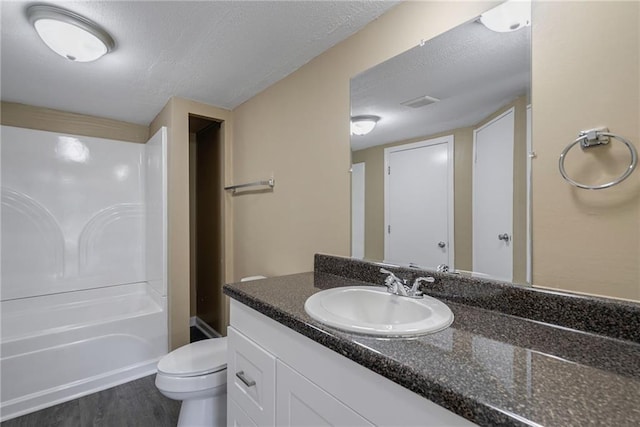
(493, 197)
(419, 203)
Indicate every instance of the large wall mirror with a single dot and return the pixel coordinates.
(441, 181)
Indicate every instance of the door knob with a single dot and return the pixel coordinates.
(504, 237)
(441, 244)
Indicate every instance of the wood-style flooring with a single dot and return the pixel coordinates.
(134, 404)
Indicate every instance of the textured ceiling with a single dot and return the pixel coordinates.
(472, 70)
(217, 52)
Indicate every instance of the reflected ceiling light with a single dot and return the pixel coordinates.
(362, 125)
(69, 34)
(509, 16)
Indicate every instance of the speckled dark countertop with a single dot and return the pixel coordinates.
(490, 367)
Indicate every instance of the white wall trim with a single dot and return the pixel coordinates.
(203, 327)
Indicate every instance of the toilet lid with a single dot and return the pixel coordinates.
(200, 357)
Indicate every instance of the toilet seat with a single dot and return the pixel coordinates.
(195, 359)
(170, 385)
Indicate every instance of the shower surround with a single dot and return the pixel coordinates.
(83, 279)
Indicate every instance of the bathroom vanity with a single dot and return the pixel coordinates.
(513, 356)
(279, 377)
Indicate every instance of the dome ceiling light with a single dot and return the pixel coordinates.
(362, 125)
(68, 34)
(508, 16)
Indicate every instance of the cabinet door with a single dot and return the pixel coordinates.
(299, 402)
(251, 378)
(236, 417)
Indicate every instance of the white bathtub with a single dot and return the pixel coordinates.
(58, 347)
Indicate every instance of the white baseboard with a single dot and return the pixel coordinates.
(203, 327)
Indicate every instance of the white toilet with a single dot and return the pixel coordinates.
(196, 374)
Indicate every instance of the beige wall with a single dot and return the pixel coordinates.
(298, 130)
(175, 116)
(373, 159)
(30, 117)
(586, 241)
(463, 169)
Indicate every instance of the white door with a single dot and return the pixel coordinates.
(419, 203)
(357, 210)
(493, 197)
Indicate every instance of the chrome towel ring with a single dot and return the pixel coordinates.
(592, 138)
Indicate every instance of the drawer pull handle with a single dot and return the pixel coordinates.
(248, 382)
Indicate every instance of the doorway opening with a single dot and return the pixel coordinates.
(207, 310)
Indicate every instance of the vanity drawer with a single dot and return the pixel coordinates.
(251, 378)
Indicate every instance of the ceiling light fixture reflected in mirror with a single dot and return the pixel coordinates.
(509, 16)
(68, 34)
(362, 125)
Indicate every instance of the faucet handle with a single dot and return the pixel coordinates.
(391, 276)
(391, 280)
(416, 284)
(385, 271)
(427, 279)
(394, 283)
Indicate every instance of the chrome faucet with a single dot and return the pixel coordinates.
(398, 286)
(394, 284)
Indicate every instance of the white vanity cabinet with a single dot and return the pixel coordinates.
(251, 378)
(279, 377)
(263, 391)
(299, 402)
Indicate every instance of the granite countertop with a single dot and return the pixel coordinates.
(489, 367)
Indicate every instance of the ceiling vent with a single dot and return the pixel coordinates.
(420, 101)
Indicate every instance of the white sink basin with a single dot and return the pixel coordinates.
(372, 310)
